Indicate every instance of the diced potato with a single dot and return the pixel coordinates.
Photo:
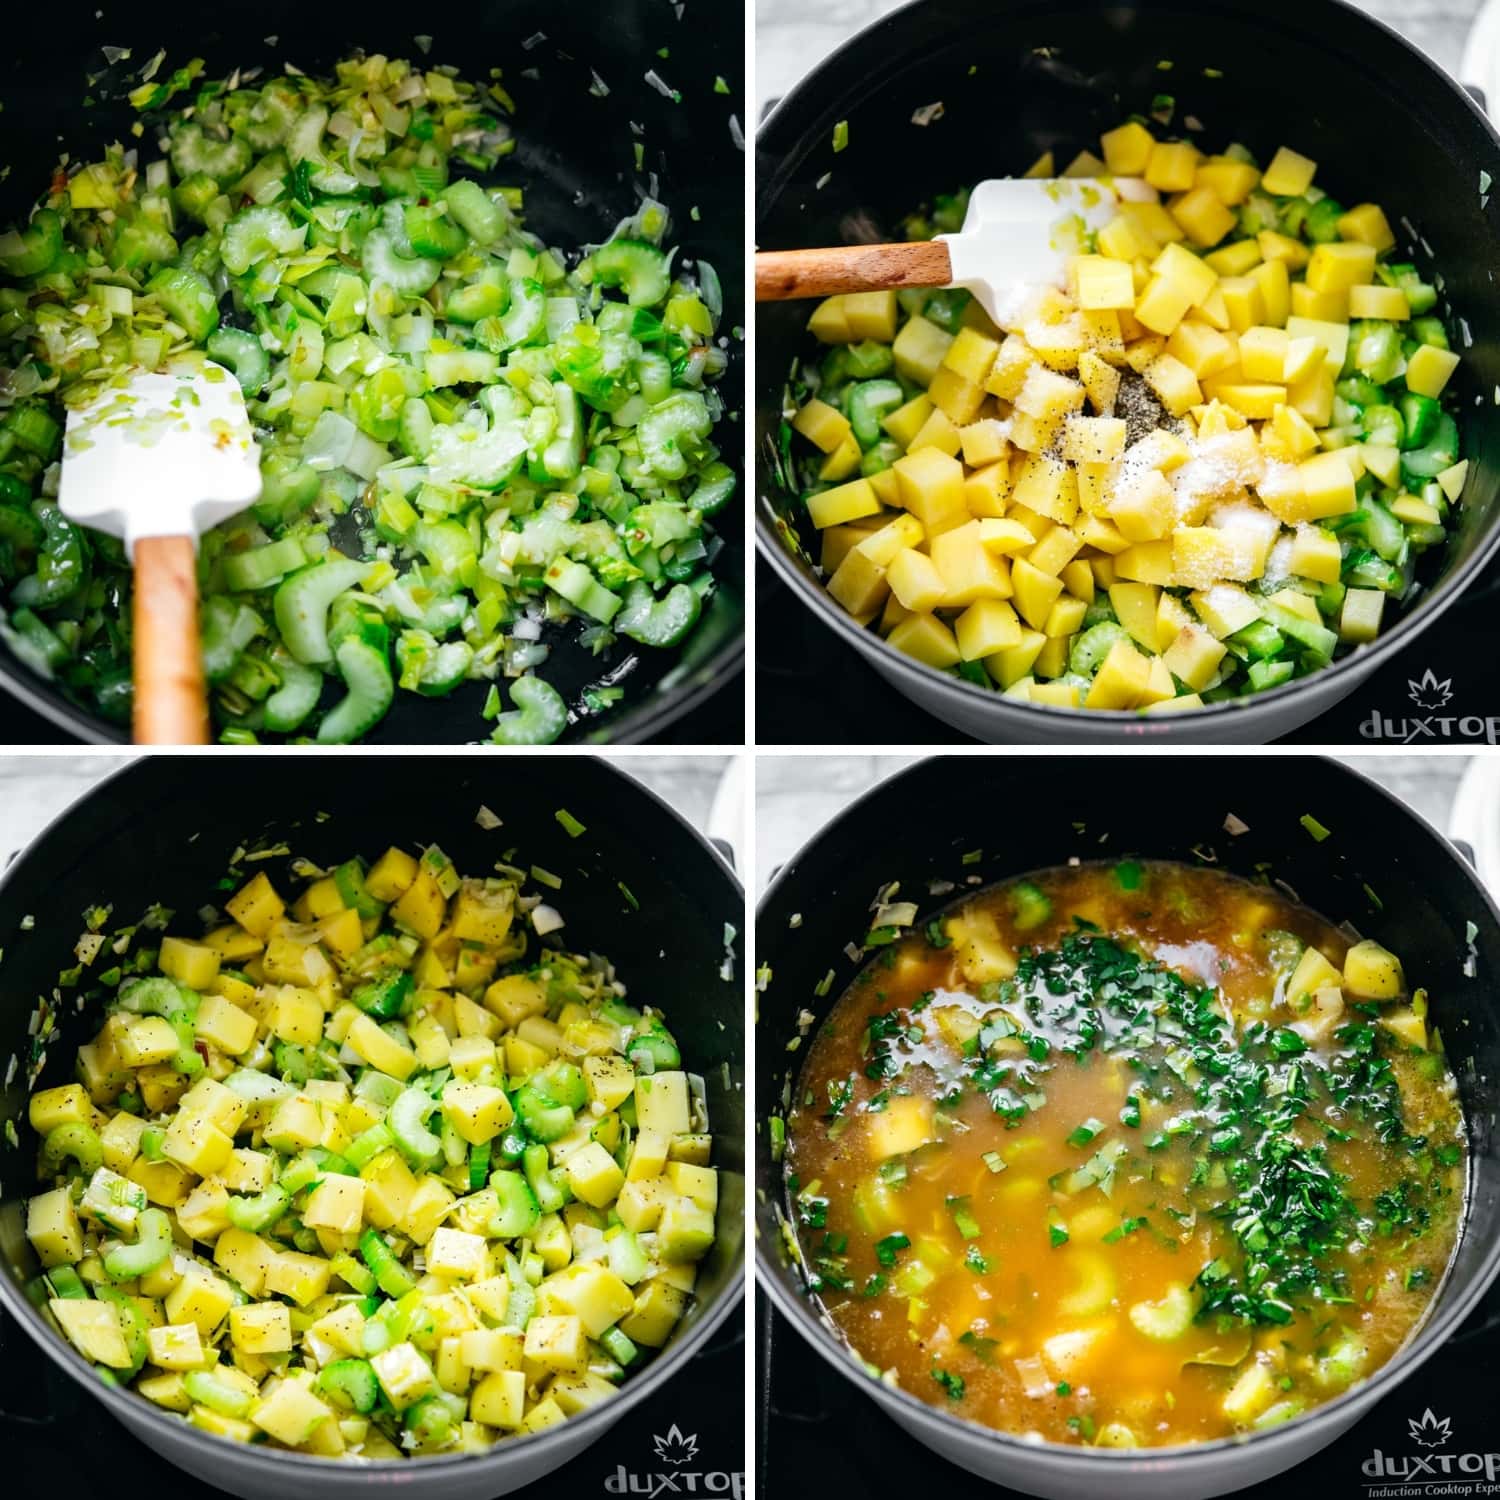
(261, 1328)
(1385, 302)
(915, 580)
(593, 1175)
(1172, 166)
(337, 1203)
(1372, 972)
(1289, 175)
(53, 1228)
(932, 489)
(1121, 680)
(455, 1254)
(303, 1278)
(1101, 282)
(256, 906)
(1428, 370)
(199, 1298)
(1127, 149)
(176, 1346)
(93, 1329)
(1194, 656)
(822, 425)
(1093, 439)
(658, 1306)
(1203, 216)
(292, 1414)
(499, 1400)
(919, 350)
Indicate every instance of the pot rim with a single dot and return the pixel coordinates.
(563, 1440)
(1448, 1310)
(1341, 676)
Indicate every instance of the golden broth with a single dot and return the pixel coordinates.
(1045, 1201)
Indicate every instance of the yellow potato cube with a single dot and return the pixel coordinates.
(1359, 616)
(915, 580)
(147, 1040)
(1235, 259)
(658, 1306)
(1230, 180)
(192, 964)
(1013, 363)
(1315, 554)
(390, 877)
(1101, 282)
(67, 1104)
(256, 906)
(499, 1400)
(261, 1328)
(1194, 657)
(197, 1144)
(1035, 592)
(932, 489)
(987, 626)
(1256, 401)
(871, 315)
(1289, 175)
(1143, 562)
(828, 323)
(1065, 618)
(860, 585)
(224, 1025)
(1385, 302)
(1121, 680)
(1054, 550)
(380, 1050)
(1366, 222)
(1337, 267)
(303, 1278)
(291, 1413)
(1048, 487)
(968, 569)
(685, 1232)
(1263, 354)
(1372, 972)
(1136, 606)
(593, 1175)
(939, 431)
(52, 1227)
(919, 349)
(1201, 348)
(1428, 370)
(1204, 218)
(1101, 381)
(1172, 166)
(958, 400)
(1313, 973)
(1326, 485)
(1306, 302)
(1175, 385)
(453, 1253)
(557, 1343)
(1273, 282)
(927, 639)
(1145, 509)
(176, 1346)
(296, 1015)
(1127, 149)
(1094, 440)
(661, 1103)
(476, 1111)
(1244, 302)
(199, 1298)
(971, 355)
(337, 1203)
(93, 1329)
(422, 906)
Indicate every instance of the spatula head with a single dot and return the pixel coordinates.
(1020, 231)
(160, 453)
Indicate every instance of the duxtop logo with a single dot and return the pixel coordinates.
(1429, 1432)
(1392, 1475)
(1427, 692)
(1430, 693)
(678, 1449)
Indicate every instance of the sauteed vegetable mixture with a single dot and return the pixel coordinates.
(467, 436)
(385, 1173)
(1125, 1156)
(1201, 471)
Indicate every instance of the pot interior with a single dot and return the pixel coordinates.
(1381, 869)
(574, 160)
(167, 829)
(1029, 76)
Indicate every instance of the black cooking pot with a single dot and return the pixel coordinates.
(575, 160)
(1017, 77)
(166, 828)
(1027, 813)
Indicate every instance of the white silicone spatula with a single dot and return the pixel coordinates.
(1017, 231)
(156, 458)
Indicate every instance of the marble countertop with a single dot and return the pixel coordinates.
(793, 36)
(797, 795)
(35, 788)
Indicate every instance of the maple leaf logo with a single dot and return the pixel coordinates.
(1427, 692)
(1429, 1432)
(674, 1448)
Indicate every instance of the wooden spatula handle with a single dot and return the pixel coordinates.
(781, 275)
(171, 701)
